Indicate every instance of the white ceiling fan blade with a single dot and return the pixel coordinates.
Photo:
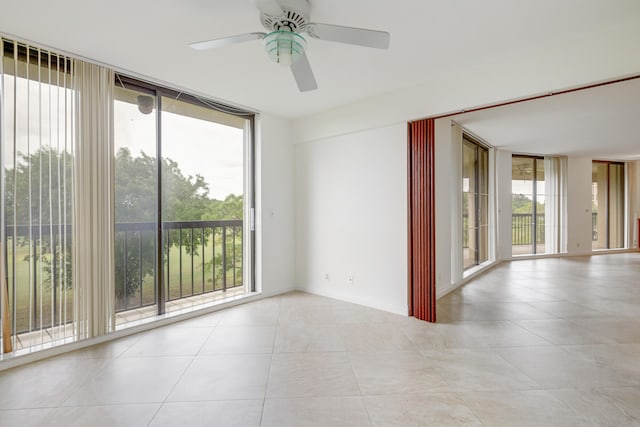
(226, 41)
(303, 74)
(349, 35)
(270, 7)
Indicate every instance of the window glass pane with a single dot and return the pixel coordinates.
(540, 222)
(483, 171)
(475, 203)
(38, 195)
(469, 210)
(203, 201)
(616, 206)
(483, 246)
(136, 203)
(522, 198)
(599, 189)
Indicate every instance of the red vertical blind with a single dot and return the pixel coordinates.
(422, 237)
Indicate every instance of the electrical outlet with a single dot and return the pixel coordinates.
(327, 277)
(349, 280)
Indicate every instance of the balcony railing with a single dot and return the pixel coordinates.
(199, 257)
(521, 224)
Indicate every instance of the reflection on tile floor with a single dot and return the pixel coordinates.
(530, 343)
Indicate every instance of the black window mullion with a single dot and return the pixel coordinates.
(476, 194)
(534, 221)
(160, 290)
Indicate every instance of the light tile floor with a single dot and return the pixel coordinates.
(548, 342)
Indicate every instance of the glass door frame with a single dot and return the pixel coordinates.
(249, 185)
(534, 203)
(477, 147)
(607, 207)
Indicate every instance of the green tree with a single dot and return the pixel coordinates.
(39, 191)
(183, 198)
(38, 188)
(522, 204)
(229, 208)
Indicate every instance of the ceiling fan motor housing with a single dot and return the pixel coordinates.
(295, 16)
(284, 21)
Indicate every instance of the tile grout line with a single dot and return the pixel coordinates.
(273, 345)
(194, 357)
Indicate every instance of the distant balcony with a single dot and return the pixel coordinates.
(521, 235)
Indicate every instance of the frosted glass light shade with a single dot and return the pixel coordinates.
(284, 47)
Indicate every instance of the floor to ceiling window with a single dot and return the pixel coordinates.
(95, 235)
(608, 205)
(136, 189)
(37, 196)
(527, 205)
(197, 193)
(475, 202)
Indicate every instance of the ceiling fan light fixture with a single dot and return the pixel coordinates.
(284, 47)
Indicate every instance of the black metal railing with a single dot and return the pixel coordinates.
(199, 257)
(521, 228)
(521, 224)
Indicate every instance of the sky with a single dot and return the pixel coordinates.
(201, 147)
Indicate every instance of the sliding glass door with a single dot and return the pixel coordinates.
(475, 203)
(607, 210)
(527, 205)
(203, 202)
(183, 200)
(136, 200)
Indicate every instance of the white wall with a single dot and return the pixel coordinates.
(275, 195)
(351, 217)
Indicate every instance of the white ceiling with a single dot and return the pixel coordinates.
(601, 122)
(429, 40)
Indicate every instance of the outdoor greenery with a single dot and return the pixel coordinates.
(184, 198)
(523, 204)
(45, 176)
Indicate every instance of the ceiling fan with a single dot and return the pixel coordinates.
(285, 20)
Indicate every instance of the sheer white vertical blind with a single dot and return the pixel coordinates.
(555, 206)
(37, 144)
(94, 213)
(56, 121)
